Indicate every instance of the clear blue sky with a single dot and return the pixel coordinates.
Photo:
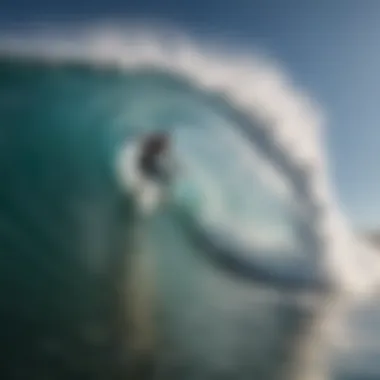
(330, 47)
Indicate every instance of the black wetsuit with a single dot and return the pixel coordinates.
(152, 166)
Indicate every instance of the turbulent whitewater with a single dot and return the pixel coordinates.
(254, 180)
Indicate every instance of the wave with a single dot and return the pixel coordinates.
(255, 181)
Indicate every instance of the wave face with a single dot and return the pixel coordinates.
(67, 227)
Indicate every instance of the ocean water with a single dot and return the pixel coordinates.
(68, 228)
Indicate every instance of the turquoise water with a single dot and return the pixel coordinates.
(66, 226)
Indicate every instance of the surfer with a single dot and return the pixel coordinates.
(154, 161)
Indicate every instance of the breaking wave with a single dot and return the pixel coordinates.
(255, 179)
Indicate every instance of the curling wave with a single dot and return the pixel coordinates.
(255, 182)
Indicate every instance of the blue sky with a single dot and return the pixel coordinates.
(331, 48)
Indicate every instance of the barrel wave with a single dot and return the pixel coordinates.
(234, 256)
